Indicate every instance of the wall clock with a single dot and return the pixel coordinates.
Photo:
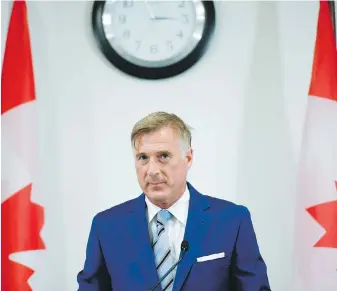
(153, 39)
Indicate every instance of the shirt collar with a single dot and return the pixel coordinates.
(179, 209)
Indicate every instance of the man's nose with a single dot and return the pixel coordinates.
(153, 168)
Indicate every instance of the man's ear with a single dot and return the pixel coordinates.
(189, 157)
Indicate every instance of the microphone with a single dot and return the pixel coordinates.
(184, 249)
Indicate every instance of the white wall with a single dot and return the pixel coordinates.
(246, 100)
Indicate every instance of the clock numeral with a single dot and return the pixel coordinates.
(169, 45)
(185, 18)
(154, 49)
(138, 43)
(180, 34)
(127, 3)
(126, 34)
(181, 4)
(122, 18)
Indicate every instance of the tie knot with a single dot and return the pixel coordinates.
(164, 216)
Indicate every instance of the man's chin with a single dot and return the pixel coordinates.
(158, 195)
(161, 201)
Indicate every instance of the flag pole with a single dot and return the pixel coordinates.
(332, 8)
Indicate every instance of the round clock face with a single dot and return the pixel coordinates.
(151, 34)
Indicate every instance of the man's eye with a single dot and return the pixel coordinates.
(164, 156)
(142, 158)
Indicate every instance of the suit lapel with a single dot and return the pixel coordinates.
(197, 226)
(137, 228)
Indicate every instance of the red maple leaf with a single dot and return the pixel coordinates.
(21, 223)
(326, 215)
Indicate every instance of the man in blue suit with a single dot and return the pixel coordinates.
(133, 245)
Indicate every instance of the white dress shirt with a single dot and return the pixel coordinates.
(176, 225)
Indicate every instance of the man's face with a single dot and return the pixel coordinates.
(162, 165)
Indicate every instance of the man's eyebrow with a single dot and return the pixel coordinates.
(140, 154)
(157, 153)
(164, 152)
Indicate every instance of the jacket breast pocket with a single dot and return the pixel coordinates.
(213, 263)
(209, 275)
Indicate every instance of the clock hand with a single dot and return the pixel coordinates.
(149, 9)
(164, 18)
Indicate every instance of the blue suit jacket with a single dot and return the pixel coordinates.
(119, 256)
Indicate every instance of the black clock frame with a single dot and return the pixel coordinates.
(147, 72)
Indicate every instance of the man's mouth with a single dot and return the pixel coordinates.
(156, 183)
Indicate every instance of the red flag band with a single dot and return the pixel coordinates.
(316, 232)
(21, 219)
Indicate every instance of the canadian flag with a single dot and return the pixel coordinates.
(21, 218)
(316, 232)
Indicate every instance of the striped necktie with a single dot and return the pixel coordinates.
(162, 250)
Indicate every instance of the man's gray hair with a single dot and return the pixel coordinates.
(158, 120)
